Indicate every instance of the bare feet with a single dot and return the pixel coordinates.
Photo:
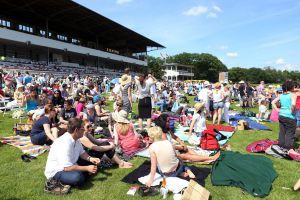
(126, 165)
(216, 156)
(190, 173)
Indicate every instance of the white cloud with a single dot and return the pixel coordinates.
(291, 67)
(196, 10)
(232, 54)
(223, 47)
(217, 8)
(280, 61)
(212, 15)
(120, 2)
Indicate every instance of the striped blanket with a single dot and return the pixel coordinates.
(24, 144)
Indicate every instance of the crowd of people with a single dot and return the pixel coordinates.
(67, 112)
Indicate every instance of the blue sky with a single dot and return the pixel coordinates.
(246, 33)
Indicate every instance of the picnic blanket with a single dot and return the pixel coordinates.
(251, 123)
(220, 127)
(185, 138)
(144, 169)
(24, 144)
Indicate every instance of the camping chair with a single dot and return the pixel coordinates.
(3, 105)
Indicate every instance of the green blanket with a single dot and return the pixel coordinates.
(252, 173)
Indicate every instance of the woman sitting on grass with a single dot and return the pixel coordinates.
(125, 135)
(163, 158)
(42, 131)
(97, 148)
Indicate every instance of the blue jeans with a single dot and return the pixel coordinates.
(74, 178)
(176, 173)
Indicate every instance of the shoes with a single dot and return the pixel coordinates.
(297, 185)
(55, 187)
(148, 191)
(27, 158)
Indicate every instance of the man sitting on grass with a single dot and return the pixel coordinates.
(62, 169)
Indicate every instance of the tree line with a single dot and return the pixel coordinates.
(207, 67)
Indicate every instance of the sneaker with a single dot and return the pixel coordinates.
(55, 187)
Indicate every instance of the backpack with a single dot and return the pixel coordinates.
(278, 152)
(209, 140)
(260, 145)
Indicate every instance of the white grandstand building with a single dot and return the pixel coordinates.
(63, 36)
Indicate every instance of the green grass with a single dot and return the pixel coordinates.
(20, 180)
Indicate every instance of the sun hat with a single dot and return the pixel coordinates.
(242, 81)
(122, 117)
(217, 85)
(198, 106)
(125, 79)
(206, 83)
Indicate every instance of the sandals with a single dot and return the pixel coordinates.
(27, 158)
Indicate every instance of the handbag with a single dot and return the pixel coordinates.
(194, 191)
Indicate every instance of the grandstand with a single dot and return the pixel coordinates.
(63, 36)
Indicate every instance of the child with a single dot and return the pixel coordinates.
(199, 119)
(263, 112)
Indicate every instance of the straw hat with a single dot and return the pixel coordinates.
(217, 85)
(121, 117)
(125, 79)
(198, 106)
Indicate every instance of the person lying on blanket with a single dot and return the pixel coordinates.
(163, 158)
(67, 162)
(163, 122)
(98, 148)
(124, 134)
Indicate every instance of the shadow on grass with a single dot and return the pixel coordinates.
(13, 198)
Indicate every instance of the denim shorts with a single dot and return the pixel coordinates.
(40, 139)
(217, 105)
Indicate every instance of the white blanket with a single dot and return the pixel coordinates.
(174, 184)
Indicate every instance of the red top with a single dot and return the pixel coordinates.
(298, 103)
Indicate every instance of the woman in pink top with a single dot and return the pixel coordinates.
(125, 135)
(80, 107)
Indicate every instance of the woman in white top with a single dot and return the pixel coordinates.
(163, 158)
(218, 103)
(145, 105)
(199, 119)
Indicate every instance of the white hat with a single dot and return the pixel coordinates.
(206, 83)
(122, 117)
(90, 106)
(242, 81)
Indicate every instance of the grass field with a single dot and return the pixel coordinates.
(20, 180)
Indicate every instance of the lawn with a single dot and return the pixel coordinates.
(20, 180)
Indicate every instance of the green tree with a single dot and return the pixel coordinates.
(155, 65)
(206, 65)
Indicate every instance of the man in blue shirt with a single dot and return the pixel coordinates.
(27, 78)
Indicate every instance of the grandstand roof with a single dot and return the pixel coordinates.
(73, 19)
